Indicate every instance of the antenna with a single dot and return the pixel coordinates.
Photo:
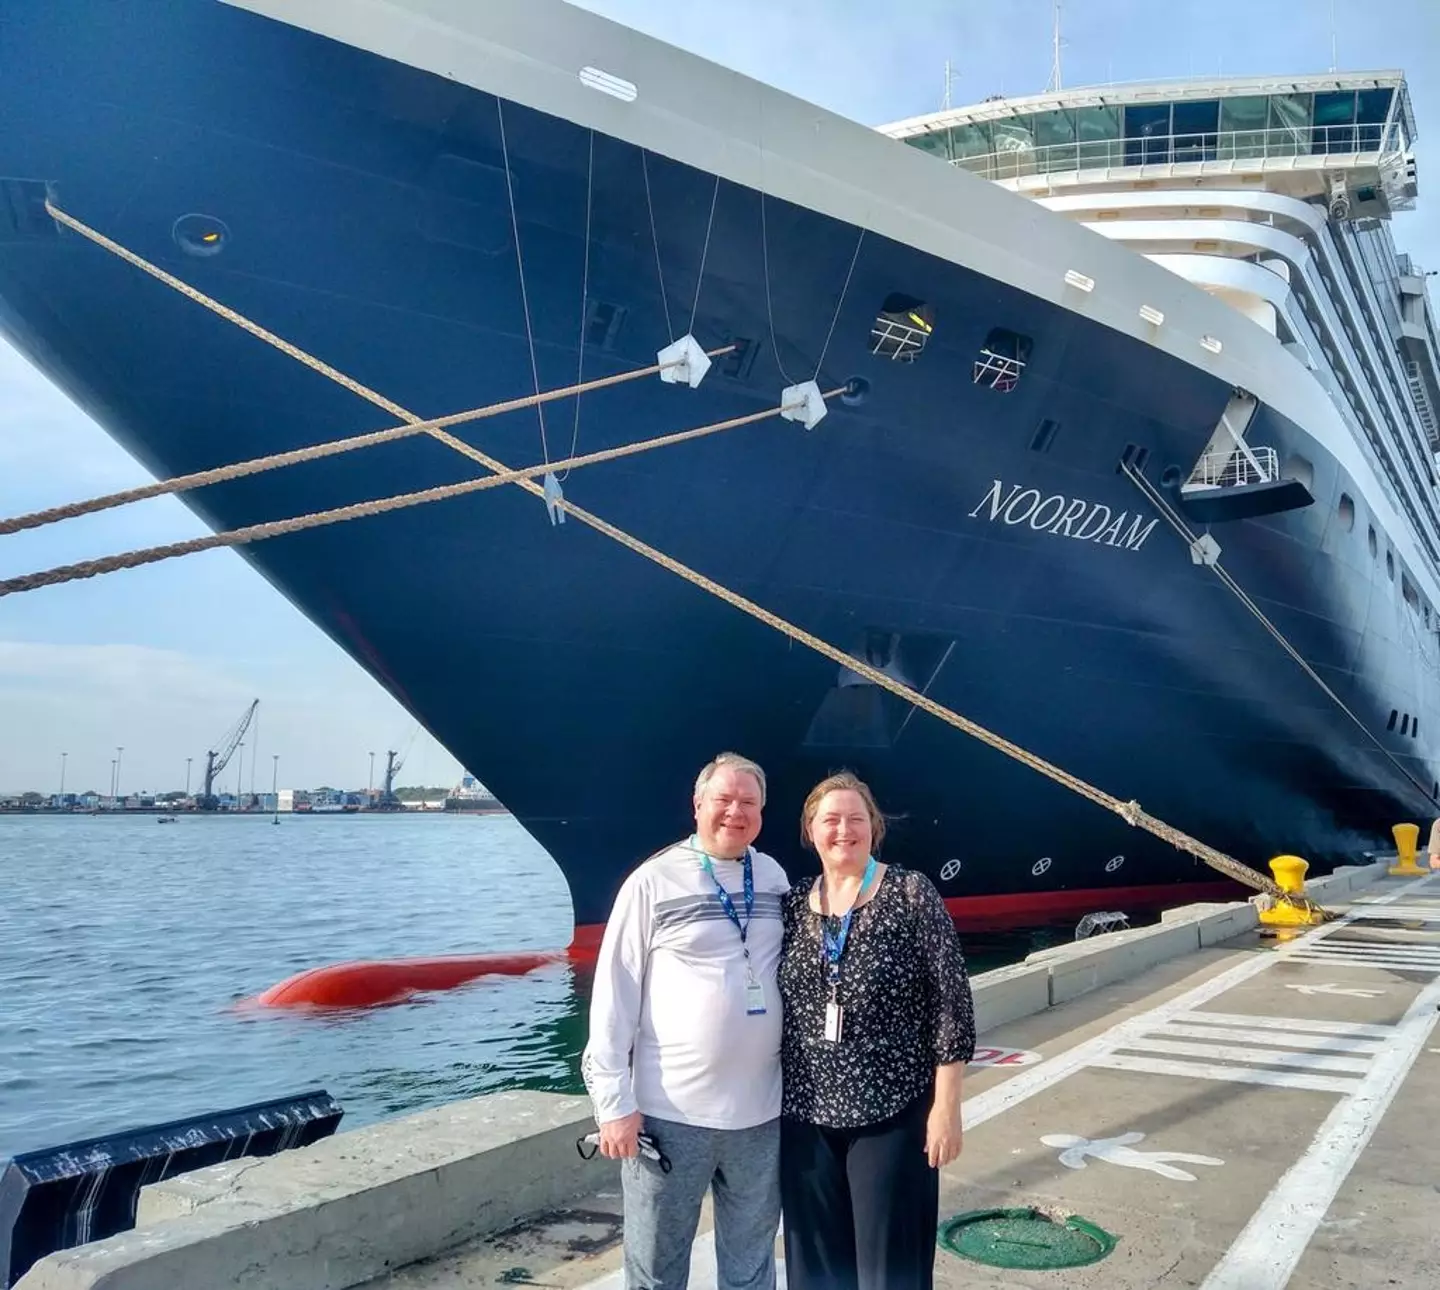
(1334, 54)
(949, 78)
(1055, 85)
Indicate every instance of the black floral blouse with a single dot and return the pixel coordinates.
(906, 997)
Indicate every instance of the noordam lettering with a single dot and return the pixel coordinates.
(1064, 516)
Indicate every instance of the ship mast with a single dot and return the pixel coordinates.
(1055, 86)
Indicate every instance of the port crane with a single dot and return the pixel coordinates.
(215, 762)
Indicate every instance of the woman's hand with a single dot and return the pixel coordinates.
(944, 1135)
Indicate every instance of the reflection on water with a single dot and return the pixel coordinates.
(127, 952)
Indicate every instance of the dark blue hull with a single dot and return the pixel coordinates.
(366, 204)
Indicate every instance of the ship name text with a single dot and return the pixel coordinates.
(1064, 516)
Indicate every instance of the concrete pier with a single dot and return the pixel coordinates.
(1241, 1112)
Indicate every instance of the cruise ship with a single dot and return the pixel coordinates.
(1127, 450)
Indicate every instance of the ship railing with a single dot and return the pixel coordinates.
(897, 340)
(1232, 468)
(1013, 155)
(998, 371)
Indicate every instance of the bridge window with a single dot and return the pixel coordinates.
(1195, 126)
(1242, 126)
(1334, 122)
(1147, 133)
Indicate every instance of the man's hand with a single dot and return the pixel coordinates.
(618, 1137)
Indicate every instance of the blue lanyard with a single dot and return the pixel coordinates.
(833, 947)
(727, 904)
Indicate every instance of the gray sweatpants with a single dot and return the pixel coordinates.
(662, 1210)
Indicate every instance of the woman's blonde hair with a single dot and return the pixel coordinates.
(834, 783)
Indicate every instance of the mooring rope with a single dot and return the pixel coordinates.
(221, 474)
(361, 510)
(1130, 811)
(1162, 504)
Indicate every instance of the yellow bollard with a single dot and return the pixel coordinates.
(1296, 911)
(1407, 837)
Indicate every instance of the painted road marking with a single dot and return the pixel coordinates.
(1120, 1150)
(1026, 1083)
(1004, 1057)
(1348, 1029)
(1266, 1253)
(1276, 1038)
(1250, 1055)
(1233, 1074)
(1336, 989)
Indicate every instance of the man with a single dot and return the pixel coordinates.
(1435, 845)
(685, 1041)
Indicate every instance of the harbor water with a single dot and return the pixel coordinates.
(128, 950)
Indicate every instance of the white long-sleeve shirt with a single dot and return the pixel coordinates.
(670, 1034)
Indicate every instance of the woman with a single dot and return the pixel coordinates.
(879, 1024)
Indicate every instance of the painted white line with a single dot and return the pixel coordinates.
(1333, 946)
(1383, 965)
(1035, 1079)
(1277, 1038)
(1266, 1253)
(1350, 1029)
(1249, 1056)
(1405, 913)
(1234, 1074)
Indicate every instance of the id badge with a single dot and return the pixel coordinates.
(754, 998)
(834, 1020)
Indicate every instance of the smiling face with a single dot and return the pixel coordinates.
(728, 812)
(840, 829)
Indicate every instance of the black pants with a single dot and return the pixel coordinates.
(861, 1205)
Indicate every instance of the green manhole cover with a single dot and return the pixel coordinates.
(1025, 1238)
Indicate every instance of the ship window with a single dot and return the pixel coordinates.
(1053, 128)
(1044, 436)
(1372, 107)
(1347, 512)
(1195, 127)
(1414, 727)
(1242, 126)
(901, 329)
(1097, 130)
(1405, 724)
(1390, 564)
(1147, 133)
(936, 142)
(1290, 118)
(1334, 122)
(1407, 589)
(1002, 359)
(1394, 717)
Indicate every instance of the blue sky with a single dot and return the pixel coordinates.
(162, 660)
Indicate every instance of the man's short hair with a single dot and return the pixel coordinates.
(735, 762)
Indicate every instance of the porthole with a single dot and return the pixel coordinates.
(1390, 564)
(1171, 477)
(1405, 724)
(1394, 717)
(1374, 543)
(1347, 512)
(200, 235)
